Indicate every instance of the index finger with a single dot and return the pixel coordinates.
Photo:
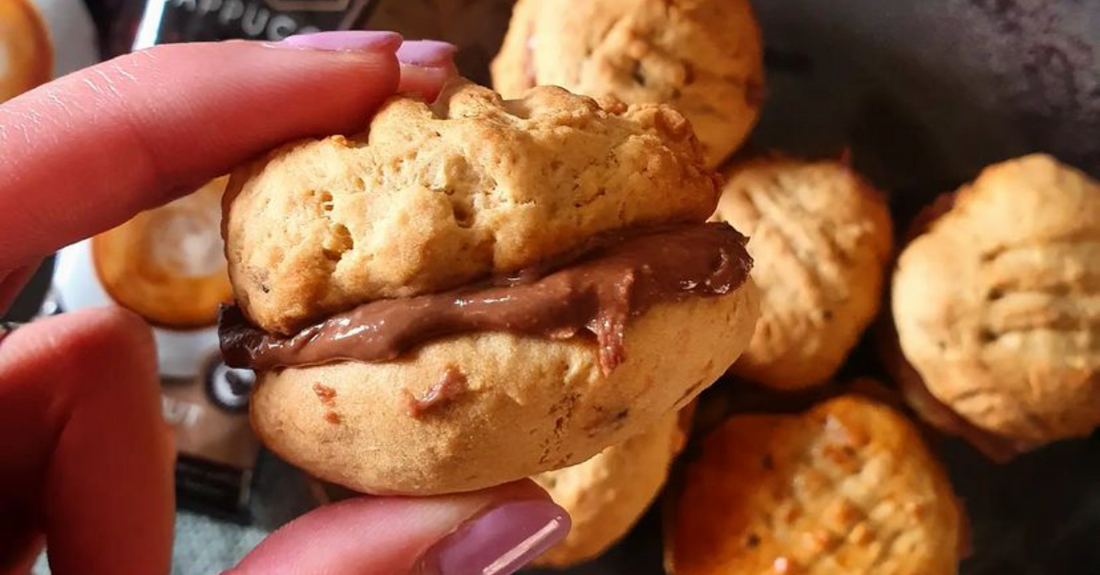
(84, 153)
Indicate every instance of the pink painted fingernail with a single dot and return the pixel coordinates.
(500, 541)
(428, 53)
(345, 41)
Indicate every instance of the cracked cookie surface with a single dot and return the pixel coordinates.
(821, 237)
(845, 488)
(997, 305)
(703, 57)
(435, 196)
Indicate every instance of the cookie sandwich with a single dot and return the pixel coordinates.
(478, 290)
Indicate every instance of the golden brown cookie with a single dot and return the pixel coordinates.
(439, 195)
(525, 405)
(167, 264)
(820, 236)
(846, 488)
(607, 494)
(702, 56)
(26, 57)
(997, 304)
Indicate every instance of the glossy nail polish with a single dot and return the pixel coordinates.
(500, 541)
(345, 41)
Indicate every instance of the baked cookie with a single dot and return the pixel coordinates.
(846, 488)
(26, 57)
(702, 56)
(607, 494)
(997, 305)
(514, 287)
(167, 264)
(435, 196)
(821, 237)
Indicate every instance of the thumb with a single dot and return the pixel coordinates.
(492, 532)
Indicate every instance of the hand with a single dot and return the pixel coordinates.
(85, 459)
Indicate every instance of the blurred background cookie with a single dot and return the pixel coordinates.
(26, 59)
(997, 304)
(702, 56)
(607, 494)
(846, 488)
(820, 237)
(168, 264)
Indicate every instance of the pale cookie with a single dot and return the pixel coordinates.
(846, 488)
(506, 406)
(607, 494)
(704, 57)
(435, 196)
(997, 304)
(820, 237)
(26, 56)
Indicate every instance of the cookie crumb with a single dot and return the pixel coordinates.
(450, 386)
(333, 418)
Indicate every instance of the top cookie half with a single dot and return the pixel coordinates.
(434, 196)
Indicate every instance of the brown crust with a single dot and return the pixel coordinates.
(847, 487)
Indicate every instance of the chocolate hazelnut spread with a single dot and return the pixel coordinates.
(617, 278)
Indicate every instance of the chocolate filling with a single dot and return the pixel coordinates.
(621, 276)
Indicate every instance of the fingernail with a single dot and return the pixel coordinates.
(428, 53)
(345, 41)
(500, 541)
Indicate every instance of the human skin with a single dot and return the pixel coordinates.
(86, 461)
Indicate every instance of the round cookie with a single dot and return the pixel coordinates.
(26, 57)
(997, 304)
(607, 494)
(845, 488)
(704, 57)
(435, 196)
(354, 423)
(166, 264)
(821, 237)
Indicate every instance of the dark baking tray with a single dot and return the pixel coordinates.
(923, 94)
